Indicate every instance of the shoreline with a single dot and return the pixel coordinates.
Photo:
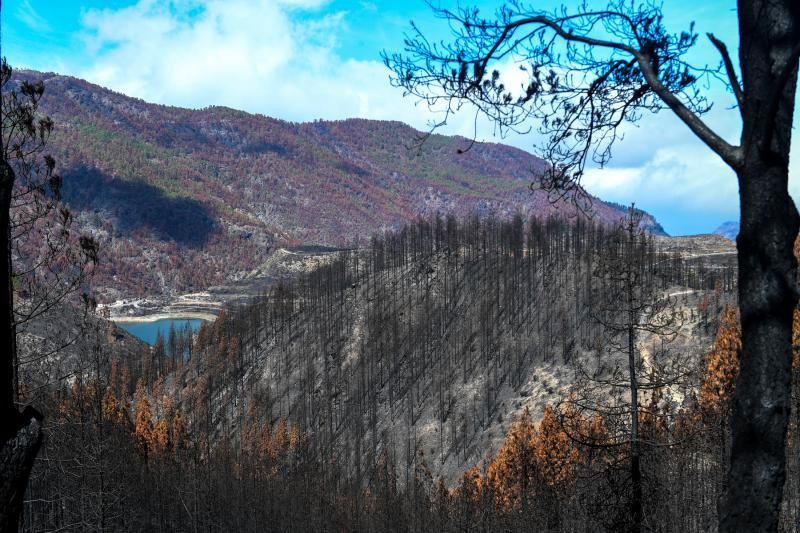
(179, 315)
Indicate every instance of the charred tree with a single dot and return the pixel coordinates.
(592, 70)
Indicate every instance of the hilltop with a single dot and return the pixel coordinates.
(184, 199)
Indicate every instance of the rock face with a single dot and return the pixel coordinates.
(729, 230)
(182, 200)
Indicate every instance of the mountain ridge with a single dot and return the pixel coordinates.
(224, 187)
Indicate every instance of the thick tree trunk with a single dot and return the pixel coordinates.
(7, 335)
(762, 396)
(769, 30)
(20, 434)
(17, 454)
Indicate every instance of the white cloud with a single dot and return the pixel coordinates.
(690, 176)
(261, 56)
(26, 13)
(667, 171)
(276, 57)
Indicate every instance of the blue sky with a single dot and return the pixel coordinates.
(306, 59)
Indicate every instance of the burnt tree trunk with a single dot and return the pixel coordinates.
(769, 37)
(20, 433)
(22, 436)
(7, 329)
(637, 513)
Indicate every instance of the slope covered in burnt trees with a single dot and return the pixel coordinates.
(335, 400)
(426, 343)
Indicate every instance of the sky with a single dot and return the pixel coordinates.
(302, 60)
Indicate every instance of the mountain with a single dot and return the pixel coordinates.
(729, 230)
(184, 199)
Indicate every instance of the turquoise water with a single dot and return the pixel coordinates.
(147, 331)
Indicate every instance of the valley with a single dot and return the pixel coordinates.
(304, 266)
(324, 324)
(416, 356)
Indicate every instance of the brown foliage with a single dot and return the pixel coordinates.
(512, 472)
(143, 420)
(271, 451)
(532, 459)
(722, 364)
(556, 454)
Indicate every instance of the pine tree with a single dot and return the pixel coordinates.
(722, 365)
(512, 473)
(143, 422)
(556, 455)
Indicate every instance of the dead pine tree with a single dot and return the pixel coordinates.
(628, 305)
(35, 282)
(592, 68)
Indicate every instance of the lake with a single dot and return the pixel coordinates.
(147, 331)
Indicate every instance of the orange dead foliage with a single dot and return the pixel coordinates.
(533, 458)
(722, 364)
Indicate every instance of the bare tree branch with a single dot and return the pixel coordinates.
(733, 80)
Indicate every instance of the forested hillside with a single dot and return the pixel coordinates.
(184, 199)
(428, 342)
(361, 396)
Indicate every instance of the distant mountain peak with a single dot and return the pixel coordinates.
(729, 230)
